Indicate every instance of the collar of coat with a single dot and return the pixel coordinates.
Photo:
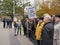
(48, 23)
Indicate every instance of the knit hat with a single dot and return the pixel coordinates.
(58, 15)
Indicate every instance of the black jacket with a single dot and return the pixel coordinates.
(47, 35)
(15, 24)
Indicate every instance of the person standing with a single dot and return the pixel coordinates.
(48, 30)
(19, 26)
(10, 22)
(39, 30)
(56, 38)
(15, 26)
(4, 22)
(27, 26)
(24, 27)
(33, 28)
(29, 29)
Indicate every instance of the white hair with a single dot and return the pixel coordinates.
(46, 15)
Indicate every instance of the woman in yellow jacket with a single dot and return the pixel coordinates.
(39, 31)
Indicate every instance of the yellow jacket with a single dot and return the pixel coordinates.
(39, 31)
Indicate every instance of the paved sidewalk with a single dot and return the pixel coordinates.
(7, 37)
(4, 36)
(24, 40)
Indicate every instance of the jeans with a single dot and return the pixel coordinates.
(19, 29)
(15, 28)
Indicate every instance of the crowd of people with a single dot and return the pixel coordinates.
(17, 26)
(7, 22)
(45, 29)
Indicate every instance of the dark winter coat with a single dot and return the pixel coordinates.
(47, 35)
(4, 20)
(15, 24)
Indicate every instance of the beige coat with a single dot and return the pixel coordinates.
(56, 37)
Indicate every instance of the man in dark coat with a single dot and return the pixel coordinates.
(4, 22)
(10, 22)
(7, 22)
(47, 35)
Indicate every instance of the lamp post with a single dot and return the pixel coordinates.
(23, 8)
(14, 8)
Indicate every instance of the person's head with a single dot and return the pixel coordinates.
(47, 18)
(57, 18)
(41, 19)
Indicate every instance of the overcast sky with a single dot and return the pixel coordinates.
(32, 2)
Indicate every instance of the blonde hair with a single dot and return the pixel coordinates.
(46, 15)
